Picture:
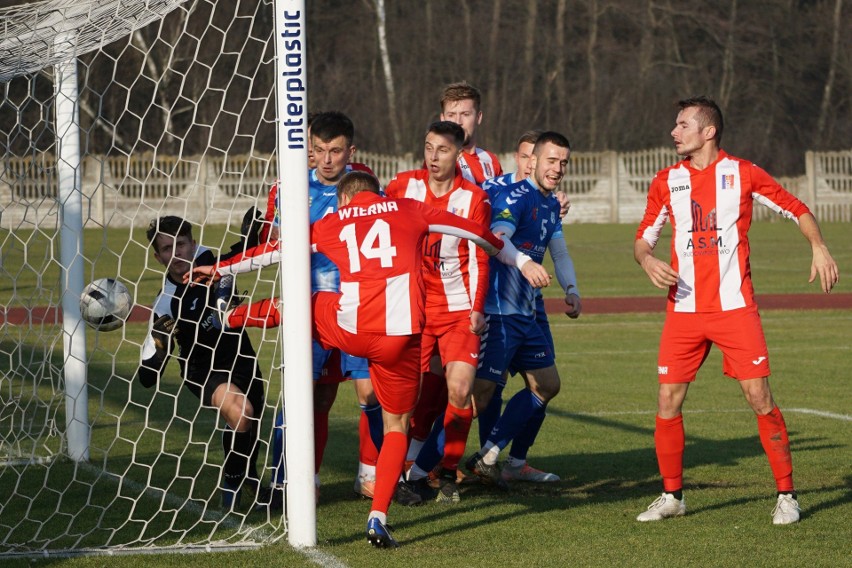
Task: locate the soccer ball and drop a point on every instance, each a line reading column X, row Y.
column 105, row 304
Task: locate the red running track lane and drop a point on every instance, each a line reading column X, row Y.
column 645, row 304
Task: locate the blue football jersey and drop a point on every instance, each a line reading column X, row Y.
column 497, row 184
column 535, row 220
column 322, row 200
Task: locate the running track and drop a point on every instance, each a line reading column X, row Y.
column 833, row 301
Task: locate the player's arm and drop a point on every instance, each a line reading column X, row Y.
column 481, row 214
column 767, row 191
column 661, row 273
column 254, row 258
column 533, row 272
column 565, row 274
column 156, row 350
column 822, row 263
column 502, row 249
column 564, row 202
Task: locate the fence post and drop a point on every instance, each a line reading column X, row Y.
column 614, row 214
column 203, row 177
column 92, row 189
column 811, row 176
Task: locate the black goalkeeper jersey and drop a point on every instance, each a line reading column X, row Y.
column 203, row 347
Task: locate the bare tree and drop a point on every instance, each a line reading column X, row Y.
column 832, row 73
column 381, row 30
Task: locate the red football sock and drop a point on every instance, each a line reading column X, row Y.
column 367, row 452
column 456, row 427
column 262, row 314
column 776, row 444
column 388, row 469
column 670, row 440
column 320, row 437
column 433, row 399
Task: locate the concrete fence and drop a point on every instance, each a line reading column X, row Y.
column 128, row 191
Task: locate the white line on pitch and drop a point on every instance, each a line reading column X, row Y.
column 820, row 413
column 321, row 558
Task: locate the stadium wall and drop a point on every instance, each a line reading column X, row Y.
column 604, row 187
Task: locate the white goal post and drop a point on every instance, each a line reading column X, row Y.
column 115, row 113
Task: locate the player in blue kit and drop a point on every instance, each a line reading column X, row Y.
column 516, row 468
column 331, row 135
column 527, row 214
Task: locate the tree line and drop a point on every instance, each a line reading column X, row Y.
column 607, row 73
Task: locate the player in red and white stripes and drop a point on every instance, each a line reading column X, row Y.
column 456, row 276
column 377, row 244
column 708, row 197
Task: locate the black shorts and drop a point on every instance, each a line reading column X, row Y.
column 251, row 386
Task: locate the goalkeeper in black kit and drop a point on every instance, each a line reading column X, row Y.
column 219, row 367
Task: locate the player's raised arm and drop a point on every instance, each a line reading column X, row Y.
column 254, row 258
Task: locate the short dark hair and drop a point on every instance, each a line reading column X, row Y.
column 461, row 91
column 530, row 137
column 170, row 225
column 448, row 128
column 709, row 113
column 551, row 137
column 329, row 125
column 357, row 181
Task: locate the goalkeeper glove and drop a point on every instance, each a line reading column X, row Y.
column 164, row 328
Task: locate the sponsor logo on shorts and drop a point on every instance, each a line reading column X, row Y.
column 759, row 360
column 495, row 371
column 540, row 355
column 662, row 370
column 474, row 355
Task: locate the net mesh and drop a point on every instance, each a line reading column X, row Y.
column 176, row 118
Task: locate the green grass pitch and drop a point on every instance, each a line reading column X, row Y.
column 598, row 436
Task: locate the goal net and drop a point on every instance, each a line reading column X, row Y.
column 146, row 108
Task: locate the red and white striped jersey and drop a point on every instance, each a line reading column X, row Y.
column 479, row 165
column 710, row 210
column 455, row 270
column 377, row 244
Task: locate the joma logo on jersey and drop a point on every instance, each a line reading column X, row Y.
column 676, row 188
column 700, row 222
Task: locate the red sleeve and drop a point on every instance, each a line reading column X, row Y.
column 656, row 212
column 770, row 193
column 450, row 224
column 269, row 216
column 395, row 188
column 254, row 258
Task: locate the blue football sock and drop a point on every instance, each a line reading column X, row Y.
column 377, row 425
column 488, row 418
column 519, row 410
column 432, row 451
column 526, row 437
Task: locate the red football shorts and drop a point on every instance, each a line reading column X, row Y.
column 450, row 334
column 394, row 359
column 687, row 338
